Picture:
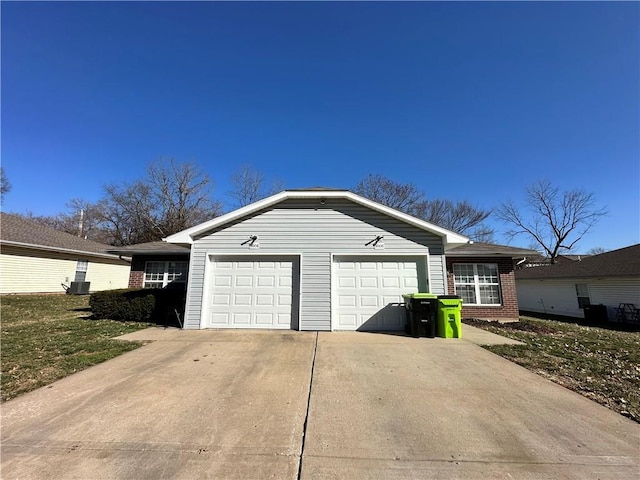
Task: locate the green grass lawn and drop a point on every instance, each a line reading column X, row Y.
column 47, row 337
column 599, row 363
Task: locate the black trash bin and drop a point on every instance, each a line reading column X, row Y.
column 422, row 311
column 594, row 314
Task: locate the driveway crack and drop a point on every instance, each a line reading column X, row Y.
column 306, row 416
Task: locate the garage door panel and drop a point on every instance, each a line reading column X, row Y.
column 347, row 300
column 368, row 282
column 243, row 281
column 251, row 293
column 368, row 301
column 284, row 300
column 242, row 300
column 223, row 281
column 223, row 300
column 369, row 293
column 220, row 320
column 347, row 282
column 241, row 319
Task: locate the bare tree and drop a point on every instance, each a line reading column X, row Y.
column 5, row 186
column 556, row 221
column 596, row 251
column 172, row 197
column 402, row 196
column 82, row 219
column 461, row 217
column 249, row 185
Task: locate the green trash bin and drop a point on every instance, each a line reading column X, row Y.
column 449, row 316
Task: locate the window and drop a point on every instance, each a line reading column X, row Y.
column 81, row 270
column 582, row 291
column 477, row 283
column 161, row 274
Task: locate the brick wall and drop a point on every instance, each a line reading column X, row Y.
column 136, row 275
column 509, row 308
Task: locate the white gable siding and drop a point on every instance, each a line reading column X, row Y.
column 315, row 232
column 558, row 296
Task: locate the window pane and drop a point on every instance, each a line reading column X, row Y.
column 81, row 270
column 154, row 272
column 463, row 273
column 582, row 290
column 467, row 292
column 487, row 273
column 489, row 294
column 177, row 272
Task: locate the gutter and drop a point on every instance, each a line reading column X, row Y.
column 61, row 250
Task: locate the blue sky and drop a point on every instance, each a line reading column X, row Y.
column 467, row 100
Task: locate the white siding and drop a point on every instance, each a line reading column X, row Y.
column 315, row 291
column 559, row 297
column 313, row 231
column 33, row 271
column 107, row 276
column 554, row 297
column 613, row 292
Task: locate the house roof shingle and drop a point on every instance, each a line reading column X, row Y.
column 478, row 249
column 15, row 230
column 151, row 248
column 617, row 263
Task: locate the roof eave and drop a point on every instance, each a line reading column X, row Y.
column 148, row 252
column 59, row 249
column 486, row 254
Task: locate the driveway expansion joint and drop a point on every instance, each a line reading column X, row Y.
column 306, row 415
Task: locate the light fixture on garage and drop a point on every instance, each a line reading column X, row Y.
column 376, row 242
column 252, row 242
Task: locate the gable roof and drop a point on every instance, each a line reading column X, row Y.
column 20, row 232
column 478, row 249
column 151, row 248
column 617, row 263
column 187, row 236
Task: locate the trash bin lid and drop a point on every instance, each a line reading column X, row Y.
column 424, row 295
column 408, row 296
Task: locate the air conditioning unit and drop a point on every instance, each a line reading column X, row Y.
column 79, row 288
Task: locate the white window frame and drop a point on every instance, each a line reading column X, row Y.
column 477, row 284
column 82, row 266
column 582, row 295
column 146, row 283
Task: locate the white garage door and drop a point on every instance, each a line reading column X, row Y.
column 252, row 293
column 368, row 293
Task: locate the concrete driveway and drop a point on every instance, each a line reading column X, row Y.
column 287, row 405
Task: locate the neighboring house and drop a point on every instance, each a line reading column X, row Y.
column 324, row 259
column 541, row 260
column 156, row 264
column 483, row 275
column 39, row 259
column 610, row 279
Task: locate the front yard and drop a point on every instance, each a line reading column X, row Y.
column 601, row 364
column 47, row 337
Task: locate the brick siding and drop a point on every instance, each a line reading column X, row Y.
column 136, row 275
column 509, row 308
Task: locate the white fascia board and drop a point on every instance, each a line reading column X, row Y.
column 186, row 236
